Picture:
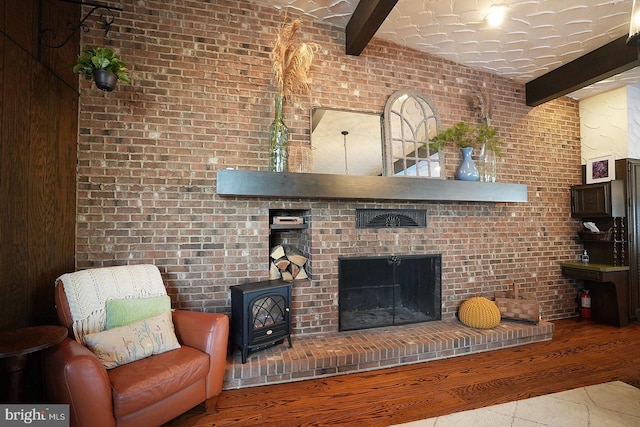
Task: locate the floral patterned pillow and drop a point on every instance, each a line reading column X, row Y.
column 126, row 344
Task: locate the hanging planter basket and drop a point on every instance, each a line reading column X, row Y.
column 102, row 66
column 105, row 80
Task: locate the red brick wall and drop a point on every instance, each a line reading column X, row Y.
column 202, row 99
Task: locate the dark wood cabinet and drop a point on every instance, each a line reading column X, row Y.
column 609, row 288
column 628, row 171
column 604, row 205
column 604, row 199
column 613, row 205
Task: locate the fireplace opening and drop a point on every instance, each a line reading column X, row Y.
column 388, row 290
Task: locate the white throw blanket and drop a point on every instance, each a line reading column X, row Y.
column 87, row 292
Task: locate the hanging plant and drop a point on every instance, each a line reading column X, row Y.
column 101, row 65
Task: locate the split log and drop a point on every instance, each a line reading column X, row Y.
column 294, row 269
column 302, row 274
column 282, row 263
column 274, row 273
column 286, row 276
column 287, row 263
column 277, row 252
column 294, row 255
column 298, row 260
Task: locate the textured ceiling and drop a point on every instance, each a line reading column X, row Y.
column 535, row 38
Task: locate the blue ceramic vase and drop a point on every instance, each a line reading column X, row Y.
column 467, row 170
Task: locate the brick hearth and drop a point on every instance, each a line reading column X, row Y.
column 316, row 356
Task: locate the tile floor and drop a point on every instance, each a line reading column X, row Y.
column 612, row 404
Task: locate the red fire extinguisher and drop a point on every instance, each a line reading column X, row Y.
column 585, row 304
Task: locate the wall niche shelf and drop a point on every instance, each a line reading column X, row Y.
column 288, row 226
column 231, row 182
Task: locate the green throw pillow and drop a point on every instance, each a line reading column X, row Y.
column 122, row 312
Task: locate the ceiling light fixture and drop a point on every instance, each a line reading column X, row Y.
column 634, row 25
column 496, row 15
column 346, row 165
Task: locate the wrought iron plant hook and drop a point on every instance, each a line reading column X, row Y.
column 107, row 18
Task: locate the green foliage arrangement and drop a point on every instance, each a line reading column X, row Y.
column 487, row 135
column 464, row 134
column 101, row 58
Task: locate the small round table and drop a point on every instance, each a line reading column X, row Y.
column 16, row 344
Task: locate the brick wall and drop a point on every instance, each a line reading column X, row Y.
column 202, row 99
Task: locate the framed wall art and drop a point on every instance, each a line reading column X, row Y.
column 601, row 169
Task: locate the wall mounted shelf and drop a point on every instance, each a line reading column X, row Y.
column 324, row 186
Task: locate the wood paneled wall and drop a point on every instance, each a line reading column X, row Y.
column 38, row 156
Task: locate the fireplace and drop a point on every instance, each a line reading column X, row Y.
column 388, row 290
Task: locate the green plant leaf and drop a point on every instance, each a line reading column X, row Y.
column 464, row 134
column 101, row 58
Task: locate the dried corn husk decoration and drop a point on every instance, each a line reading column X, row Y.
column 480, row 103
column 291, row 63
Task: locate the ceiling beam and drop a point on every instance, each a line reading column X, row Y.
column 611, row 59
column 364, row 23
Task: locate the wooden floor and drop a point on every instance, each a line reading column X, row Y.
column 581, row 353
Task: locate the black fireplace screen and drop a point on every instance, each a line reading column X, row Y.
column 391, row 290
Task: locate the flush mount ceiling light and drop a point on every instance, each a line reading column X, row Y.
column 634, row 25
column 496, row 15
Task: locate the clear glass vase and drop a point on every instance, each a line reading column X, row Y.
column 278, row 141
column 482, row 170
column 490, row 165
column 487, row 164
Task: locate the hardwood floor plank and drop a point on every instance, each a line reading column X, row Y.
column 581, row 353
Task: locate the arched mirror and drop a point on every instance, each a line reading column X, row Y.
column 410, row 122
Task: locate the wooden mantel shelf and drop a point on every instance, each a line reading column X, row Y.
column 325, row 186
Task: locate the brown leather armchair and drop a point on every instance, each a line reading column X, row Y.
column 147, row 392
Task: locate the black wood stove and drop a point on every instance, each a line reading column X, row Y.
column 260, row 315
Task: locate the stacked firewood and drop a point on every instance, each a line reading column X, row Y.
column 287, row 263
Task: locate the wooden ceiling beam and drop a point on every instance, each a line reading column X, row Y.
column 364, row 23
column 611, row 59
